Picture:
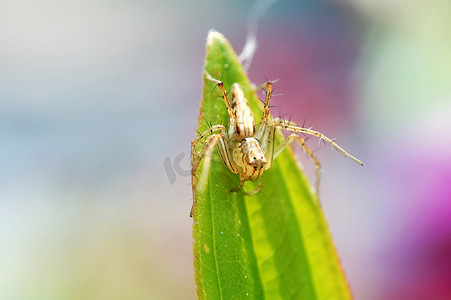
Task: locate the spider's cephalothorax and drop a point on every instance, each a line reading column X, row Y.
column 250, row 158
column 245, row 149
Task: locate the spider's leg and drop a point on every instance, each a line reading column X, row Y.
column 265, row 132
column 294, row 137
column 215, row 139
column 206, row 133
column 261, row 87
column 293, row 127
column 262, row 131
column 220, row 84
column 265, row 115
column 226, row 156
column 268, row 144
column 257, row 189
column 240, row 186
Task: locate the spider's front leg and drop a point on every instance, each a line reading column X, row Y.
column 241, row 184
column 213, row 129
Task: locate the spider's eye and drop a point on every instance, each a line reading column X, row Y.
column 255, row 168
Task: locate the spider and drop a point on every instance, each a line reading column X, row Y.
column 248, row 150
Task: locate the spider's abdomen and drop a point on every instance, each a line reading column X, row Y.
column 244, row 123
column 249, row 155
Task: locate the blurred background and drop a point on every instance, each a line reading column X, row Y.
column 99, row 102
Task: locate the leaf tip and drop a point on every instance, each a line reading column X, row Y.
column 214, row 35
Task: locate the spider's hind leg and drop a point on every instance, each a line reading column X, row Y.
column 294, row 137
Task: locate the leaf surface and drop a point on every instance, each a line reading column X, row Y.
column 273, row 245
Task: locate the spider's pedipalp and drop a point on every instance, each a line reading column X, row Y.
column 256, row 190
column 240, row 185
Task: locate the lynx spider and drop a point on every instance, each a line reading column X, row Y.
column 245, row 149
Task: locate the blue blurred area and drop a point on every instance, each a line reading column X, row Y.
column 96, row 96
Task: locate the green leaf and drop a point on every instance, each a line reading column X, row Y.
column 273, row 245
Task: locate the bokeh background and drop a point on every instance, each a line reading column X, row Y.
column 99, row 98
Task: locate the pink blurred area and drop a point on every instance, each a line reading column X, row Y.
column 98, row 99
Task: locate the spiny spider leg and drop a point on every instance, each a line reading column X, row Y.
column 225, row 155
column 265, row 115
column 207, row 133
column 261, row 87
column 223, row 150
column 265, row 133
column 293, row 127
column 220, row 84
column 263, row 128
column 206, row 152
column 292, row 137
